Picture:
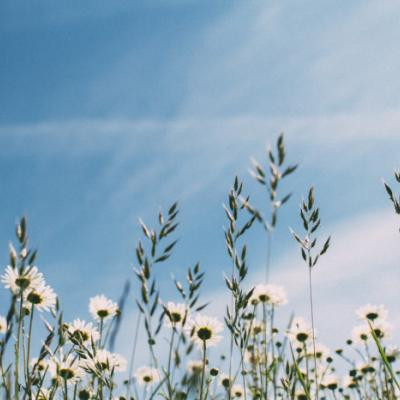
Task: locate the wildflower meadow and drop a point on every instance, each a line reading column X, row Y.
column 266, row 361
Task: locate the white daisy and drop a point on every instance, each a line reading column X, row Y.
column 224, row 380
column 85, row 331
column 29, row 279
column 237, row 391
column 360, row 334
column 65, row 369
column 3, row 324
column 256, row 326
column 39, row 365
column 176, row 314
column 321, row 351
column 147, row 376
column 300, row 332
column 203, row 329
column 330, row 381
column 106, row 361
column 269, row 294
column 42, row 297
column 392, row 353
column 195, row 367
column 102, row 308
column 382, row 328
column 254, row 356
column 349, row 382
column 372, row 312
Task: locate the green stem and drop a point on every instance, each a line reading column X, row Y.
column 265, row 349
column 17, row 348
column 101, row 331
column 203, row 370
column 170, row 391
column 28, row 354
column 313, row 333
column 65, row 390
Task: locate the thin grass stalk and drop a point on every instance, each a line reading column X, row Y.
column 313, row 333
column 168, row 377
column 133, row 354
column 269, row 255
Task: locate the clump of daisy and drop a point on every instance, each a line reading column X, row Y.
column 147, row 376
column 66, row 369
column 3, row 324
column 204, row 330
column 83, row 331
column 362, row 333
column 18, row 281
column 269, row 294
column 176, row 314
column 102, row 308
column 372, row 312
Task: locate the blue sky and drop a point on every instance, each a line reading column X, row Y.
column 110, row 110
